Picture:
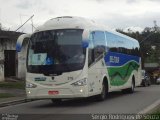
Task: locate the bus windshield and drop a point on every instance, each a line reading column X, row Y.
column 56, row 51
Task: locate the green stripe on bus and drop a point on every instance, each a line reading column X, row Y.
column 120, row 75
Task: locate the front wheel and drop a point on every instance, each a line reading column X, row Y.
column 104, row 92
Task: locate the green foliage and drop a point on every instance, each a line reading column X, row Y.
column 147, row 39
column 155, row 115
column 16, row 85
column 6, row 95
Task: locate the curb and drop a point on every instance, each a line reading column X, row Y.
column 150, row 108
column 14, row 102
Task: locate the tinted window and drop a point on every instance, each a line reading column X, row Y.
column 120, row 44
column 111, row 41
column 56, row 51
column 90, row 50
column 99, row 43
column 98, row 38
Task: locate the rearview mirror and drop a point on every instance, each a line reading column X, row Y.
column 85, row 44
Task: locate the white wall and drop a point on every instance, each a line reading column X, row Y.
column 8, row 41
column 22, row 61
column 1, row 66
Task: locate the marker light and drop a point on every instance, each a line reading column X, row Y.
column 30, row 85
column 81, row 90
column 29, row 92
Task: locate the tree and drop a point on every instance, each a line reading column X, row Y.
column 147, row 38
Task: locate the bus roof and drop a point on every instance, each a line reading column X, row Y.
column 68, row 22
column 73, row 22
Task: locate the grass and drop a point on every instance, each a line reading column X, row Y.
column 16, row 85
column 6, row 95
column 157, row 112
column 154, row 115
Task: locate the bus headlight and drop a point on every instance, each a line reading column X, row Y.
column 80, row 82
column 30, row 85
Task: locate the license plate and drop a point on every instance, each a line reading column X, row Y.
column 53, row 92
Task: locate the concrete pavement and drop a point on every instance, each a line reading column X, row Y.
column 12, row 101
column 19, row 96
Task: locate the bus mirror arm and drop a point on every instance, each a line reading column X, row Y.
column 20, row 41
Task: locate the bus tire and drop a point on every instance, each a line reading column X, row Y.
column 131, row 89
column 103, row 95
column 56, row 101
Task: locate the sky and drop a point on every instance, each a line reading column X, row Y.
column 115, row 14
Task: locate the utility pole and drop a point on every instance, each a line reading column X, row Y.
column 20, row 16
column 24, row 23
column 32, row 24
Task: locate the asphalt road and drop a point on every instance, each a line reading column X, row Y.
column 117, row 102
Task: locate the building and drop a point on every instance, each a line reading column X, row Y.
column 12, row 64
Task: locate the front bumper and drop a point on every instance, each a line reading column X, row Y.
column 43, row 93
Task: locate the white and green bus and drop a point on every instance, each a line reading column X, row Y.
column 71, row 57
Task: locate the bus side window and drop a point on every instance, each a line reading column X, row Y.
column 115, row 43
column 90, row 51
column 99, row 43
